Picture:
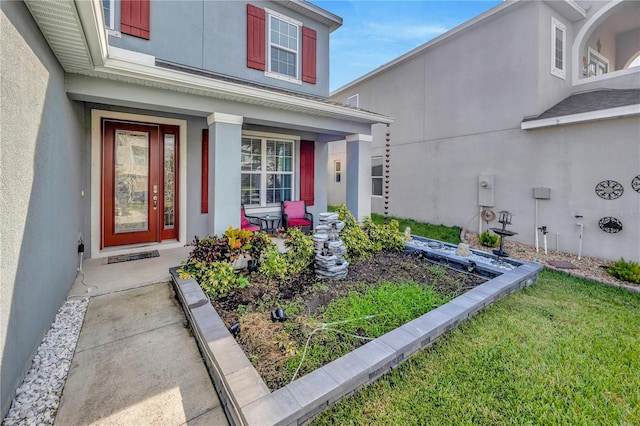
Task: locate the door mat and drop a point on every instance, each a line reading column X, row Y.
column 133, row 256
column 562, row 264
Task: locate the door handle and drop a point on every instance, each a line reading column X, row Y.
column 155, row 202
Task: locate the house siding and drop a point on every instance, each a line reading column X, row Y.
column 458, row 106
column 41, row 210
column 216, row 35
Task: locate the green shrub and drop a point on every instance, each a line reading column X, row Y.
column 625, row 271
column 364, row 241
column 215, row 278
column 359, row 245
column 489, row 240
column 300, row 254
column 384, row 237
column 274, row 265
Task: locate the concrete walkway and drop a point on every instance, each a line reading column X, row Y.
column 136, row 362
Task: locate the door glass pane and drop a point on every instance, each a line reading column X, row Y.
column 169, row 181
column 131, row 181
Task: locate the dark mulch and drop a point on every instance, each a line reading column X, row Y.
column 385, row 266
column 268, row 344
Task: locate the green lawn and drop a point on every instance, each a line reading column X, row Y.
column 563, row 351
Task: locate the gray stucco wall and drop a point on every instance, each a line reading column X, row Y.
column 212, row 35
column 41, row 210
column 458, row 107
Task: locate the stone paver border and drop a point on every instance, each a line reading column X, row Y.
column 247, row 400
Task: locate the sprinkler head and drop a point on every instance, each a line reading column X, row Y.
column 471, row 267
column 278, row 315
column 235, row 329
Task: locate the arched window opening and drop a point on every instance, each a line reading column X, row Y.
column 612, row 44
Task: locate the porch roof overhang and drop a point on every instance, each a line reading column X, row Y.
column 76, row 34
column 595, row 105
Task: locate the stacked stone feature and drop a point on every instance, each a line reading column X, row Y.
column 330, row 250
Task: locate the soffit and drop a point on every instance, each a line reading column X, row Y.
column 59, row 23
column 241, row 94
column 568, row 8
column 314, row 12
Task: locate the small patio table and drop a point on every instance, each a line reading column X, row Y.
column 269, row 224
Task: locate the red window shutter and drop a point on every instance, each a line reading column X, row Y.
column 134, row 18
column 308, row 55
column 255, row 38
column 307, row 165
column 204, row 203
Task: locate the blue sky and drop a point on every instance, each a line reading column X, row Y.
column 375, row 32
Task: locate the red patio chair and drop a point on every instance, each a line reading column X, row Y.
column 294, row 213
column 245, row 221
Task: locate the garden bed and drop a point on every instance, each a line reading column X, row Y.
column 378, row 286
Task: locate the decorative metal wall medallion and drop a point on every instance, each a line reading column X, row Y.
column 635, row 183
column 609, row 189
column 610, row 225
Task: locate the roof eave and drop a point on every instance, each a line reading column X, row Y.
column 145, row 70
column 604, row 114
column 568, row 8
column 314, row 12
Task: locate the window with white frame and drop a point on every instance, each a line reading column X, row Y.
column 283, row 47
column 108, row 6
column 354, row 100
column 376, row 176
column 267, row 170
column 598, row 64
column 558, row 48
column 337, row 167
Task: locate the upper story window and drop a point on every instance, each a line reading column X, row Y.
column 354, row 100
column 280, row 46
column 558, row 48
column 283, row 46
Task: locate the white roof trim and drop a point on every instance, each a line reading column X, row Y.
column 137, row 67
column 603, row 114
column 314, row 12
column 220, row 117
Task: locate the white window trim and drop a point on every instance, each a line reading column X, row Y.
column 263, row 182
column 112, row 14
column 381, row 177
column 560, row 73
column 600, row 57
column 273, row 74
column 337, row 172
column 357, row 100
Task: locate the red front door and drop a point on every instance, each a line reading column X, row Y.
column 139, row 183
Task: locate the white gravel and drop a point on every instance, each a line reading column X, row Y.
column 37, row 399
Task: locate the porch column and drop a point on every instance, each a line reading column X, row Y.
column 359, row 175
column 225, row 141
